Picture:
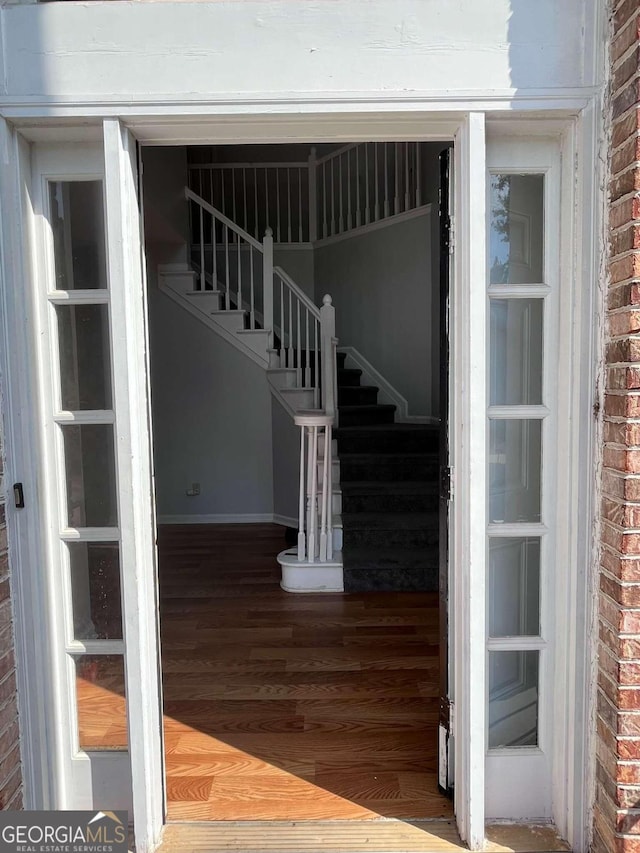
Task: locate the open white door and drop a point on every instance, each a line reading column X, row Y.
column 135, row 486
column 95, row 466
column 468, row 459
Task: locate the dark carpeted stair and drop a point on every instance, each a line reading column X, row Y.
column 389, row 482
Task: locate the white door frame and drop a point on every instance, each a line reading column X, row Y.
column 467, row 588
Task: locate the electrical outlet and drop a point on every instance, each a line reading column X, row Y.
column 194, row 490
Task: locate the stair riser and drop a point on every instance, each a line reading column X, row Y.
column 386, row 442
column 349, row 378
column 352, row 396
column 389, row 503
column 382, row 469
column 385, row 580
column 385, row 538
column 366, row 417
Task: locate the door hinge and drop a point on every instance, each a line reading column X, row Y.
column 18, row 495
column 446, row 483
column 452, row 234
column 452, row 719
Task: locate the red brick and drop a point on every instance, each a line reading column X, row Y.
column 625, row 11
column 624, row 39
column 623, row 378
column 627, row 239
column 624, row 323
column 628, row 750
column 623, row 128
column 625, row 99
column 627, row 69
column 629, row 266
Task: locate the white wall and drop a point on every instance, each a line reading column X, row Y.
column 211, row 404
column 385, row 298
column 127, row 51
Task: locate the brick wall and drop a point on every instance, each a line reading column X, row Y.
column 10, row 775
column 617, row 806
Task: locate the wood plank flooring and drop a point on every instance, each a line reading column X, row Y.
column 285, row 707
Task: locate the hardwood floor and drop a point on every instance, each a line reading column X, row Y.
column 284, row 707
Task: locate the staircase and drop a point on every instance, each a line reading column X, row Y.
column 367, row 520
column 389, row 485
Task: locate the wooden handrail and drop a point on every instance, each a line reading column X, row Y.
column 219, row 215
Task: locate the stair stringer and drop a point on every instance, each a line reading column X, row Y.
column 177, row 283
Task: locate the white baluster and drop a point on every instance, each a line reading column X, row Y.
column 307, row 360
column 325, row 227
column 367, row 208
column 376, row 178
column 300, row 231
column 289, row 206
column 325, row 532
column 266, row 198
column 301, row 499
column 256, row 229
column 396, row 198
column 316, row 346
column 313, row 196
column 214, row 252
column 267, row 284
column 386, row 179
column 299, row 344
column 283, row 350
column 340, row 211
column 312, row 506
column 290, row 348
column 239, row 273
column 278, row 233
column 349, row 211
column 357, row 188
column 252, row 300
column 333, row 199
column 227, row 290
column 233, row 193
column 203, row 281
column 407, row 196
column 244, row 196
column 223, row 206
column 418, row 176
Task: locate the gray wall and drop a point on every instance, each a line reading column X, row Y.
column 286, row 462
column 211, row 405
column 386, row 301
column 211, row 418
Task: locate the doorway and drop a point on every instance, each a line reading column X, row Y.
column 280, row 706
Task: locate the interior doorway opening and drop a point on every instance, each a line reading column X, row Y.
column 280, row 706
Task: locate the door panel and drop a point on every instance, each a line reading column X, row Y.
column 95, row 466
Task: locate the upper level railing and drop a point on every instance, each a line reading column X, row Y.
column 303, row 202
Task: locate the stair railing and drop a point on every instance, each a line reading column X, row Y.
column 225, row 259
column 229, row 259
column 298, row 324
column 364, row 182
column 315, row 509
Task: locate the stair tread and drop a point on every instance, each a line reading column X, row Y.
column 397, row 427
column 236, row 311
column 402, row 454
column 390, row 520
column 391, row 558
column 379, row 487
column 367, row 407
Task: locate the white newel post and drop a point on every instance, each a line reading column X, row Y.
column 327, row 350
column 267, row 283
column 313, row 196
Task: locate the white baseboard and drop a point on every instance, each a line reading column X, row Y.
column 285, row 520
column 220, row 518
